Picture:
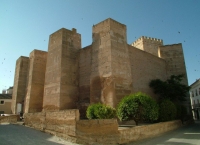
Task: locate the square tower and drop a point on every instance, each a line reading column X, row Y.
column 20, row 83
column 110, row 78
column 35, row 85
column 61, row 78
column 148, row 44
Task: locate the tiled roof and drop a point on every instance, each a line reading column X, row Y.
column 5, row 96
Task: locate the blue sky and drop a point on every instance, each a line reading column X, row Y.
column 26, row 25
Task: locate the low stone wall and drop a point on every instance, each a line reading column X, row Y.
column 147, row 131
column 62, row 123
column 103, row 131
column 66, row 124
column 59, row 123
column 9, row 119
column 35, row 120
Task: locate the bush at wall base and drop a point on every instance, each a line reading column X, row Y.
column 100, row 111
column 139, row 107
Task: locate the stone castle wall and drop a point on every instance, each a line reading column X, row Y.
column 101, row 59
column 59, row 123
column 85, row 59
column 98, row 131
column 20, row 82
column 148, row 44
column 61, row 78
column 9, row 119
column 147, row 131
column 66, row 124
column 35, row 85
column 111, row 72
column 173, row 54
column 145, row 67
column 175, row 64
column 105, row 71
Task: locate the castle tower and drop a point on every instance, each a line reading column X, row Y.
column 148, row 44
column 35, row 85
column 110, row 78
column 61, row 78
column 175, row 63
column 20, row 82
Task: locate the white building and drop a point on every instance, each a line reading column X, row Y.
column 195, row 99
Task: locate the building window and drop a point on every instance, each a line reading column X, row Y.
column 2, row 102
column 196, row 93
column 192, row 94
column 198, row 101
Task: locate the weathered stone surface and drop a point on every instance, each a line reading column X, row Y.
column 110, row 63
column 63, row 122
column 35, row 87
column 20, row 82
column 59, row 123
column 35, row 120
column 147, row 131
column 105, row 71
column 175, row 65
column 85, row 58
column 61, row 78
column 9, row 119
column 102, row 131
column 148, row 44
column 145, row 67
column 66, row 124
column 174, row 57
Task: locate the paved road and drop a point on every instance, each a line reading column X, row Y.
column 20, row 135
column 187, row 135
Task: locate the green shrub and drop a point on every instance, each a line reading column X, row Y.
column 139, row 107
column 100, row 111
column 168, row 110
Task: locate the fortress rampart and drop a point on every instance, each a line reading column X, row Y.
column 104, row 71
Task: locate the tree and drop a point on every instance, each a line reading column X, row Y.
column 100, row 111
column 171, row 89
column 139, row 107
column 168, row 110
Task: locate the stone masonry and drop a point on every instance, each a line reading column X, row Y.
column 104, row 71
column 20, row 82
column 61, row 78
column 35, row 86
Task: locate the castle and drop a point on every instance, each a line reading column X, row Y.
column 71, row 77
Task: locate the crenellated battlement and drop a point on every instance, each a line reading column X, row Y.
column 145, row 38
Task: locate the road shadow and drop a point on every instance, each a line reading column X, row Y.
column 11, row 134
